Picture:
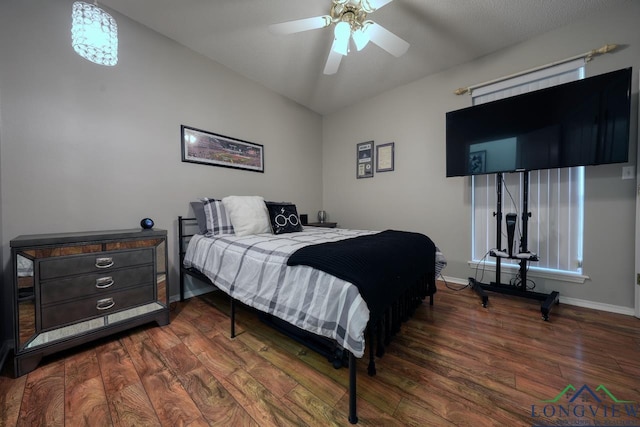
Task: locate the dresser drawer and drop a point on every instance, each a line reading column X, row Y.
column 104, row 282
column 61, row 314
column 88, row 263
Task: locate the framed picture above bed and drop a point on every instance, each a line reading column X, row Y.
column 364, row 162
column 199, row 146
column 385, row 155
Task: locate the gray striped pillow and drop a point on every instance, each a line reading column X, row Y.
column 217, row 219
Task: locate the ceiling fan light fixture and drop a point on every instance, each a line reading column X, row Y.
column 349, row 18
column 360, row 38
column 342, row 33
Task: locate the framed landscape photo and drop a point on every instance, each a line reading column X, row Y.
column 385, row 154
column 199, row 146
column 364, row 162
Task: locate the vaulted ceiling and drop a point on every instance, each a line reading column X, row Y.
column 441, row 33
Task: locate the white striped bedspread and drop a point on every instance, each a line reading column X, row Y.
column 253, row 269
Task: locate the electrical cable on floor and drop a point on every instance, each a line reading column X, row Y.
column 517, row 281
column 452, row 288
column 514, row 281
column 483, row 260
column 533, row 286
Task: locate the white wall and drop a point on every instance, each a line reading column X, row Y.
column 417, row 196
column 6, row 322
column 87, row 147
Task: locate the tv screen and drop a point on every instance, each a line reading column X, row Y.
column 581, row 123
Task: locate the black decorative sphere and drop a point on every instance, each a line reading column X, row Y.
column 146, row 223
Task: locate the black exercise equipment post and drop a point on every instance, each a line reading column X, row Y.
column 518, row 290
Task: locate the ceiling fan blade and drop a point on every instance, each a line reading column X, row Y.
column 386, row 39
column 333, row 62
column 300, row 25
column 373, row 5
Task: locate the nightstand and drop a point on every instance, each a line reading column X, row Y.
column 323, row 224
column 72, row 288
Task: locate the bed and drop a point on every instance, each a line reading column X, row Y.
column 328, row 283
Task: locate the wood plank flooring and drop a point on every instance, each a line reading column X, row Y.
column 454, row 363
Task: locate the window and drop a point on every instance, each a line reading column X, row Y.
column 555, row 196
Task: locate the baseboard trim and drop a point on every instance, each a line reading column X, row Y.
column 627, row 311
column 455, row 280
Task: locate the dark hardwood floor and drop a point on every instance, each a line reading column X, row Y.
column 455, row 363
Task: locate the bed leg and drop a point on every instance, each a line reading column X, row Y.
column 379, row 339
column 233, row 318
column 387, row 326
column 371, row 369
column 432, row 287
column 180, row 256
column 181, row 285
column 396, row 318
column 353, row 413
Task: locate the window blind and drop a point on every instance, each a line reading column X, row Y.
column 555, row 196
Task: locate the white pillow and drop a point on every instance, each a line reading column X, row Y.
column 248, row 214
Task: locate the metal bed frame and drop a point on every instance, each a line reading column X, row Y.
column 380, row 330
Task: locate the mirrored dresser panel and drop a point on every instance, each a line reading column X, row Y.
column 71, row 288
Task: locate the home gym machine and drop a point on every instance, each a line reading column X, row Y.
column 523, row 255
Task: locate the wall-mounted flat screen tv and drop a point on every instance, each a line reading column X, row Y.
column 581, row 123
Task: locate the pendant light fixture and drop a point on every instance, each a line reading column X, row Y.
column 94, row 34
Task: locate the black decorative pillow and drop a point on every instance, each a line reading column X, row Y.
column 283, row 217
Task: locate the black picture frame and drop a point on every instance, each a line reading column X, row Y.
column 364, row 160
column 385, row 157
column 208, row 148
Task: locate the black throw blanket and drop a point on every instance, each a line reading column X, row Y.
column 381, row 265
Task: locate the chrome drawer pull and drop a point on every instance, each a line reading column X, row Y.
column 104, row 282
column 105, row 304
column 104, row 262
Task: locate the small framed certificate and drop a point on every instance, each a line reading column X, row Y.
column 364, row 163
column 385, row 154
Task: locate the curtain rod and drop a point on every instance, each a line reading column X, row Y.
column 587, row 57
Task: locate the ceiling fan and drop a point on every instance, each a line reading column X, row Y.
column 351, row 23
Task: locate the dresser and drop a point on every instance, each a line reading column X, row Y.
column 71, row 288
